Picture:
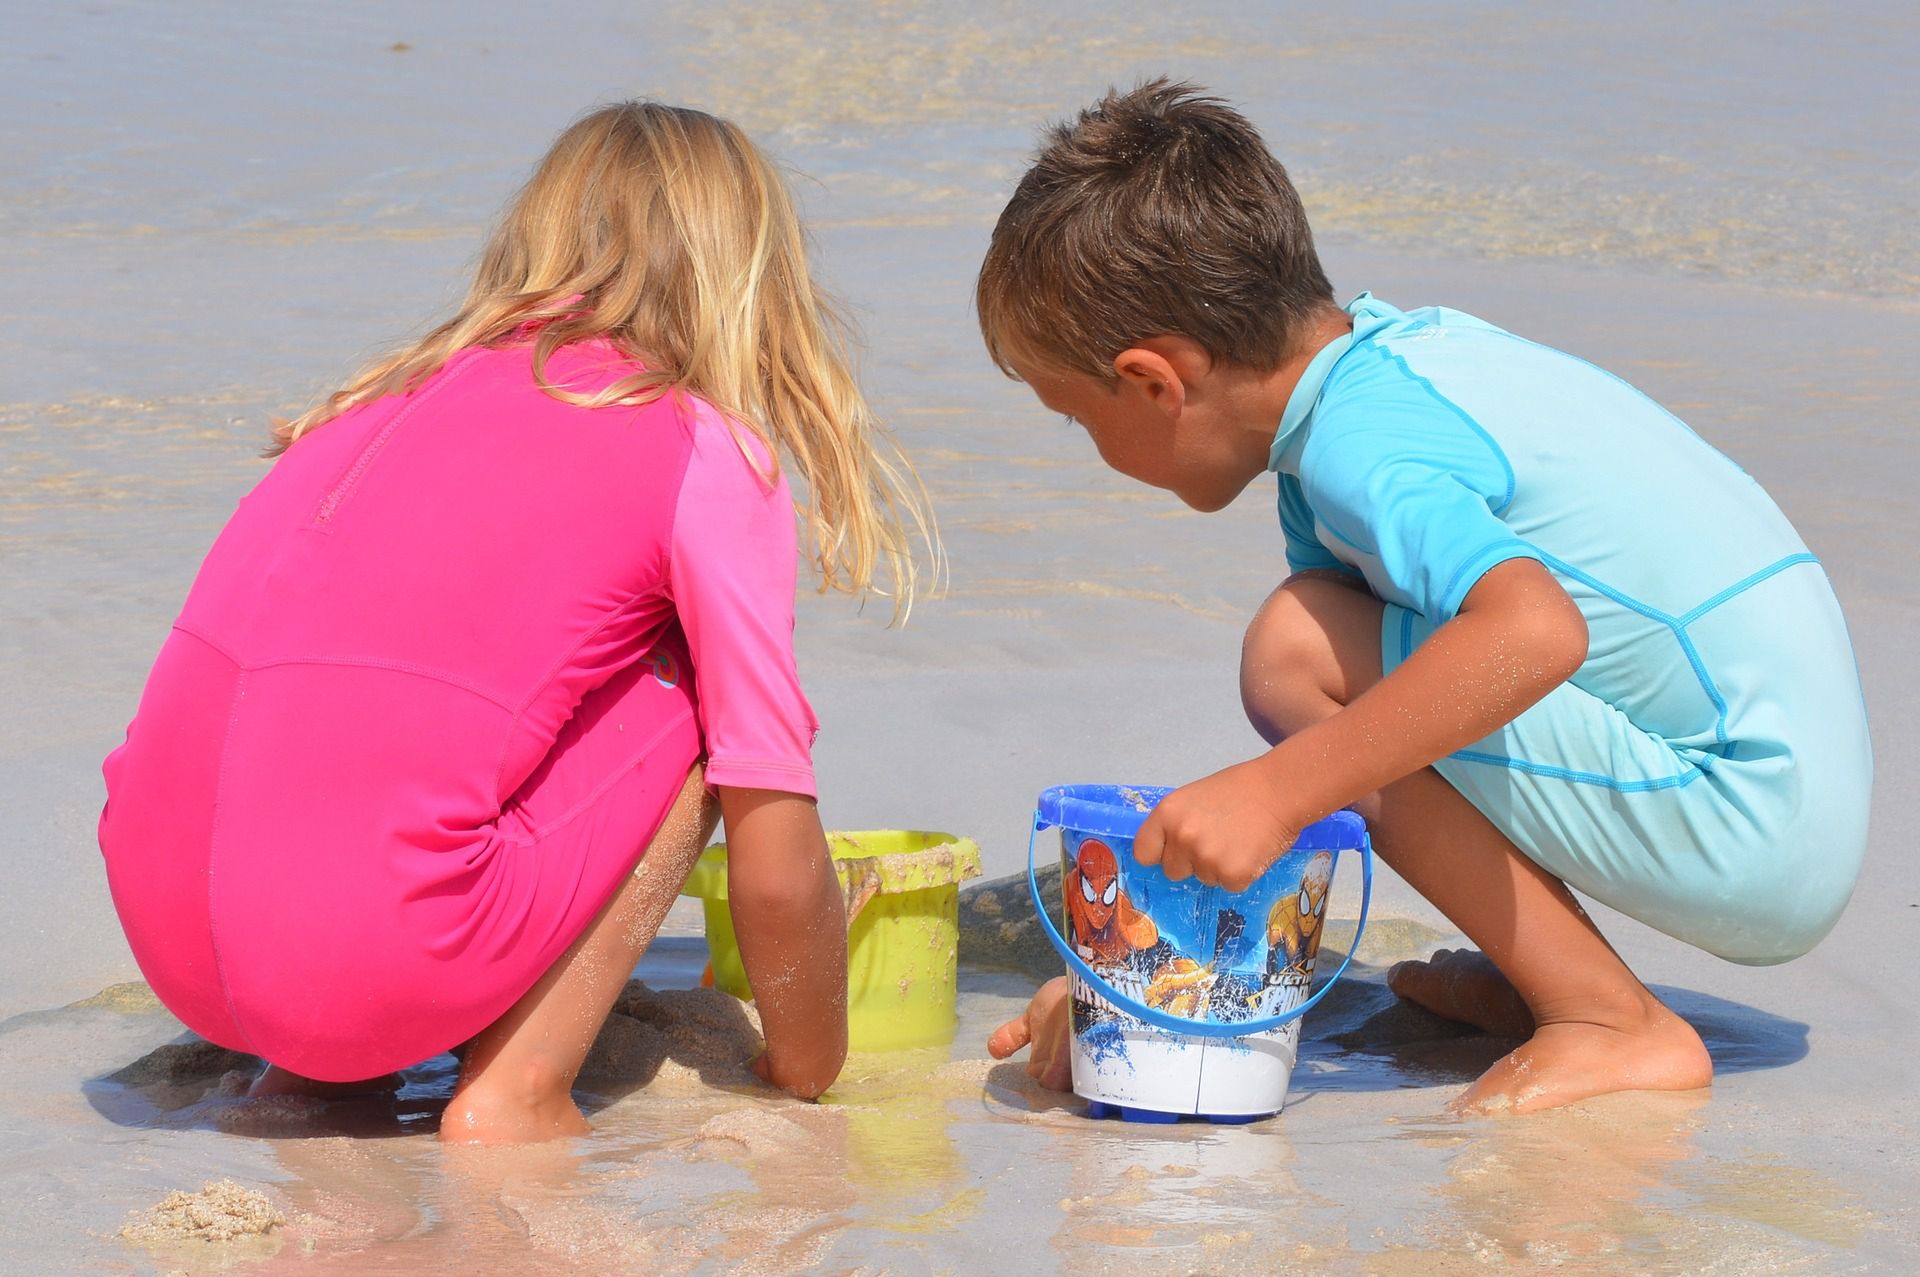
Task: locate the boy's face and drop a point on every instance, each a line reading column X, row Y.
column 1166, row 420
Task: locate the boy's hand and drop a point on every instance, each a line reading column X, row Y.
column 1224, row 829
column 1043, row 1024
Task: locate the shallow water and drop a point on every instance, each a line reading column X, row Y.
column 938, row 1160
column 211, row 211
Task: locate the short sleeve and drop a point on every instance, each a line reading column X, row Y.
column 1304, row 551
column 1416, row 487
column 732, row 573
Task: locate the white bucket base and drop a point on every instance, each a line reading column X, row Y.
column 1121, row 1062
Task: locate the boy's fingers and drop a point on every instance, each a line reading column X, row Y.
column 1055, row 1074
column 1150, row 841
column 1009, row 1037
column 1176, row 862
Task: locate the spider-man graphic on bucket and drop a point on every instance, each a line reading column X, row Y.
column 1107, row 929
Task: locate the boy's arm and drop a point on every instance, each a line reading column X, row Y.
column 791, row 922
column 1516, row 637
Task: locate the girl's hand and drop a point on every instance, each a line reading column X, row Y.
column 1224, row 829
column 1043, row 1024
column 802, row 1081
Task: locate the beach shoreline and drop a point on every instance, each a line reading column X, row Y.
column 225, row 209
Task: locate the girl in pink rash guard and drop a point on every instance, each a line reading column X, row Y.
column 429, row 751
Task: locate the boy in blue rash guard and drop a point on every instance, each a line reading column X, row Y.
column 1536, row 631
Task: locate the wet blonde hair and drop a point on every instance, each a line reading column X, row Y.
column 664, row 231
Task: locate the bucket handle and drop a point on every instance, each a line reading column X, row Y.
column 1177, row 1024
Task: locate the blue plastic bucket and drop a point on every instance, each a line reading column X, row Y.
column 1186, row 998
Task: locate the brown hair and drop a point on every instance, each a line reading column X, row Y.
column 1155, row 212
column 664, row 231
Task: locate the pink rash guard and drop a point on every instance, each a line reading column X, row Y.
column 432, row 693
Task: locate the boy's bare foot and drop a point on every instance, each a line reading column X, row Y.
column 1574, row 1060
column 1463, row 985
column 476, row 1115
column 1640, row 1046
column 274, row 1080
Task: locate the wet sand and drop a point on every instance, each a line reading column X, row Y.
column 218, row 209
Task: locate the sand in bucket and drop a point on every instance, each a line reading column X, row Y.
column 903, row 933
column 1186, row 999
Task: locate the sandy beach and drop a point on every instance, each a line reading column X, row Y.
column 214, row 210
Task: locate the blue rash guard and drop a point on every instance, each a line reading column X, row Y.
column 1707, row 769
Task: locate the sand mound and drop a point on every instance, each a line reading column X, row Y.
column 758, row 1132
column 674, row 1040
column 221, row 1211
column 132, row 997
column 189, row 1061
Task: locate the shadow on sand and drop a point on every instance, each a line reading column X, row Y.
column 1361, row 1038
column 678, row 1038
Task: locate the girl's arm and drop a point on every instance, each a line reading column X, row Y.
column 1517, row 636
column 791, row 922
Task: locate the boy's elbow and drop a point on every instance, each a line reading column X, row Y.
column 1532, row 610
column 1562, row 644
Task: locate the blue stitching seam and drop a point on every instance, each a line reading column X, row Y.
column 1618, row 380
column 1672, row 623
column 1624, row 600
column 1741, row 587
column 1499, row 455
column 1347, row 540
column 1676, row 624
column 1711, row 688
column 1488, row 551
column 1678, row 780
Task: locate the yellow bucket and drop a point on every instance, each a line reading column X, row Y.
column 903, row 945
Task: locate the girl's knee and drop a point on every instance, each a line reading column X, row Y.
column 1306, row 655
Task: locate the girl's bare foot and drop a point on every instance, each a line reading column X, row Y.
column 516, row 1075
column 478, row 1115
column 1463, row 985
column 274, row 1080
column 1571, row 1060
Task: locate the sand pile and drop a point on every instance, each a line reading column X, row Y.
column 758, row 1132
column 675, row 1041
column 222, row 1211
column 132, row 997
column 191, row 1060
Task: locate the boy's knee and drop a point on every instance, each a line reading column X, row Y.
column 1291, row 675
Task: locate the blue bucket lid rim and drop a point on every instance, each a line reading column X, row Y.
column 1118, row 811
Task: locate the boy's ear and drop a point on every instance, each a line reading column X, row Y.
column 1153, row 375
column 1163, row 369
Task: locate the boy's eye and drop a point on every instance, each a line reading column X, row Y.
column 1069, row 420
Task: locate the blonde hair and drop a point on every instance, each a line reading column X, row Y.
column 664, row 231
